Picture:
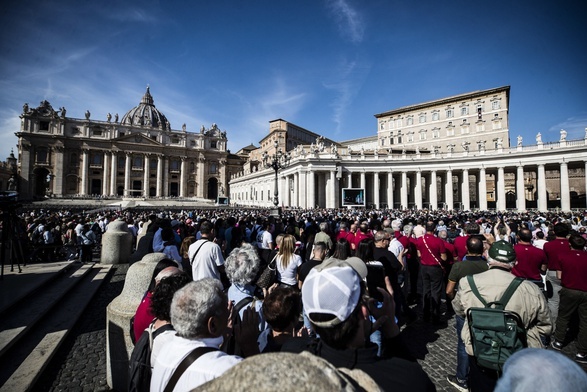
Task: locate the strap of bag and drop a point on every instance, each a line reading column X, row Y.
column 433, row 255
column 195, row 254
column 242, row 303
column 182, row 367
column 505, row 298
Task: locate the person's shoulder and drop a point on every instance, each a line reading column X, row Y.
column 299, row 344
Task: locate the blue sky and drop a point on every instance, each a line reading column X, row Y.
column 325, row 65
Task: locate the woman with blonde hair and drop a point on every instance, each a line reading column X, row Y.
column 288, row 262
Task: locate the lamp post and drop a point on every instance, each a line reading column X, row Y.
column 278, row 160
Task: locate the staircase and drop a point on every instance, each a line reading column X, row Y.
column 38, row 308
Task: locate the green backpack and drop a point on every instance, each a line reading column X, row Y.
column 496, row 333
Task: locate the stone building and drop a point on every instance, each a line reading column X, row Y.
column 139, row 155
column 449, row 153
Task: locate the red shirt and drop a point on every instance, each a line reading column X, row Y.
column 573, row 267
column 530, row 259
column 460, row 244
column 450, row 252
column 360, row 236
column 553, row 250
column 430, row 248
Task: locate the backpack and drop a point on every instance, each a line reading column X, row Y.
column 139, row 366
column 230, row 345
column 496, row 333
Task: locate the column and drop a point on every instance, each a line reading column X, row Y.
column 466, row 199
column 448, row 190
column 127, row 169
column 158, row 191
column 106, row 174
column 302, row 185
column 113, row 173
column 165, row 186
column 84, row 170
column 335, row 189
column 500, row 191
column 310, row 179
column 182, row 182
column 404, row 191
column 520, row 190
column 565, row 195
column 418, row 190
column 201, row 170
column 59, row 180
column 541, row 191
column 146, row 170
column 482, row 189
column 363, row 180
column 433, row 190
column 296, row 200
column 390, row 189
column 350, row 179
column 376, row 200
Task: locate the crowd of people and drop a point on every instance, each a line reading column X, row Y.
column 347, row 281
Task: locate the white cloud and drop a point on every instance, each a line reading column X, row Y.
column 575, row 127
column 350, row 22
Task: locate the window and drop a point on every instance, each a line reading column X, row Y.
column 44, row 126
column 480, row 127
column 42, row 155
column 137, row 162
column 422, row 118
column 398, row 123
column 495, row 105
column 410, row 121
column 410, row 137
column 435, row 116
column 391, row 124
column 464, row 111
column 382, row 127
column 192, row 167
column 436, row 133
column 464, row 129
column 174, row 165
column 153, row 164
column 175, row 140
column 73, row 160
column 121, row 134
column 450, row 113
column 213, row 168
column 479, row 112
column 450, row 132
column 121, row 162
column 422, row 135
column 213, row 144
column 97, row 159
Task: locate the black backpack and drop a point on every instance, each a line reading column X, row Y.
column 139, row 367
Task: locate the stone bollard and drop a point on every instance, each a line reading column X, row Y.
column 119, row 345
column 116, row 243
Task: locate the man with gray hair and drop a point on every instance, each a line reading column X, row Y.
column 527, row 301
column 200, row 314
column 324, row 236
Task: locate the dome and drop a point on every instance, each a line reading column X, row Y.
column 146, row 115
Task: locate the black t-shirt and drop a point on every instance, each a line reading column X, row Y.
column 305, row 268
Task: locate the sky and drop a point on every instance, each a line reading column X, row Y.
column 326, row 65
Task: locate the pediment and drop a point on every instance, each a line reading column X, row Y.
column 138, row 138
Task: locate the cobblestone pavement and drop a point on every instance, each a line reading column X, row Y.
column 80, row 364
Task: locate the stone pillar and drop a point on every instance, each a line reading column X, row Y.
column 302, row 185
column 182, row 182
column 311, row 177
column 113, row 173
column 449, row 200
column 116, row 243
column 127, row 170
column 363, row 181
column 520, row 189
column 500, row 191
column 296, row 199
column 466, row 199
column 159, row 191
column 390, row 189
column 482, row 190
column 542, row 195
column 418, row 190
column 404, row 190
column 350, row 179
column 147, row 169
column 565, row 189
column 84, row 172
column 119, row 345
column 59, row 178
column 433, row 190
column 333, row 186
column 335, row 189
column 376, row 200
column 165, row 185
column 106, row 174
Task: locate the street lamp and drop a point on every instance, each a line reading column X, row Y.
column 278, row 160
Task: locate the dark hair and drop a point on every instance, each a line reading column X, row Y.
column 161, row 265
column 342, row 249
column 282, row 307
column 365, row 249
column 206, row 227
column 475, row 244
column 540, row 234
column 577, row 241
column 163, row 294
column 167, row 234
column 561, row 229
column 525, row 235
column 430, row 227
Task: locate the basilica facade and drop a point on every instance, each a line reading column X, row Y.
column 451, row 153
column 136, row 155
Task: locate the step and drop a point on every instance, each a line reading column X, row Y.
column 26, row 312
column 30, row 357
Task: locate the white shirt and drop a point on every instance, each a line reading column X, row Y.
column 207, row 367
column 288, row 275
column 267, row 239
column 207, row 260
